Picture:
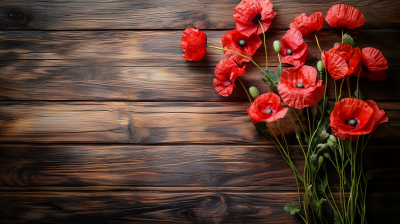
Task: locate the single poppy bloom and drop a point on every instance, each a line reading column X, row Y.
column 247, row 14
column 308, row 25
column 352, row 117
column 194, row 44
column 342, row 60
column 379, row 115
column 266, row 107
column 226, row 71
column 300, row 87
column 344, row 16
column 293, row 49
column 373, row 64
column 234, row 40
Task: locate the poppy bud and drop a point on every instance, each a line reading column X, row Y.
column 320, row 160
column 336, row 43
column 277, row 46
column 324, row 146
column 318, row 146
column 253, row 92
column 320, row 66
column 333, row 139
column 326, row 155
column 331, row 144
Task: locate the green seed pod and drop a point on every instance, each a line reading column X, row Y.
column 333, row 139
column 324, row 146
column 253, row 92
column 318, row 146
column 320, row 66
column 331, row 144
column 277, row 46
column 320, row 160
column 326, row 155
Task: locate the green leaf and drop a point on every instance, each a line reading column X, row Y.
column 324, row 123
column 345, row 163
column 348, row 183
column 298, row 136
column 348, row 40
column 261, row 129
column 264, row 80
column 362, row 96
column 280, row 70
column 330, row 107
column 368, row 176
column 273, row 75
column 291, row 208
column 338, row 220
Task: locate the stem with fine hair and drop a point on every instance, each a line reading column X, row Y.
column 265, row 46
column 316, row 38
column 266, row 75
column 245, row 90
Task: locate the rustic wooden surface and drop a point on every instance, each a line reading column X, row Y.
column 102, row 121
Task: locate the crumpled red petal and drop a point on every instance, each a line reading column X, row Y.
column 336, row 65
column 379, row 115
column 226, row 71
column 230, row 41
column 257, row 110
column 246, row 12
column 293, row 40
column 351, row 108
column 194, row 44
column 374, row 64
column 299, row 98
column 307, row 25
column 346, row 16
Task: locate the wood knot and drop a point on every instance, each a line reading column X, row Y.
column 17, row 18
column 211, row 209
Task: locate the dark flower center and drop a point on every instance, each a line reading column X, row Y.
column 289, row 52
column 228, row 80
column 352, row 122
column 300, row 85
column 256, row 18
column 241, row 43
column 365, row 69
column 269, row 111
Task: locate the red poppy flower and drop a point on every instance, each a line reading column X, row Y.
column 342, row 60
column 247, row 14
column 308, row 25
column 240, row 43
column 354, row 117
column 293, row 50
column 226, row 71
column 373, row 64
column 346, row 16
column 194, row 44
column 266, row 107
column 299, row 87
column 379, row 115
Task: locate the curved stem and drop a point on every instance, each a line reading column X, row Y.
column 358, row 78
column 266, row 75
column 348, row 86
column 265, row 46
column 245, row 90
column 340, row 93
column 300, row 122
column 316, row 38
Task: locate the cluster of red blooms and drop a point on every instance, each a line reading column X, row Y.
column 298, row 86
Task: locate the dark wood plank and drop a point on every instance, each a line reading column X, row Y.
column 178, row 207
column 156, row 48
column 151, row 122
column 172, row 168
column 153, row 14
column 152, row 83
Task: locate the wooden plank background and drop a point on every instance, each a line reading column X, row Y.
column 102, row 121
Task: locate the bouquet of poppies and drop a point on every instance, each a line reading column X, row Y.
column 329, row 131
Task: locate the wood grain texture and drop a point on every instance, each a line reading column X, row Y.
column 153, row 84
column 173, row 168
column 159, row 207
column 157, row 48
column 178, row 14
column 147, row 123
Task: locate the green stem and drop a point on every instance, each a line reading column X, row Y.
column 342, row 35
column 348, row 86
column 265, row 46
column 358, row 78
column 316, row 38
column 340, row 93
column 334, row 81
column 300, row 122
column 245, row 90
column 266, row 75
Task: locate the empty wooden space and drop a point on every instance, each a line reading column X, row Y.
column 103, row 121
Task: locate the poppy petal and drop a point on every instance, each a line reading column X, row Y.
column 346, row 16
